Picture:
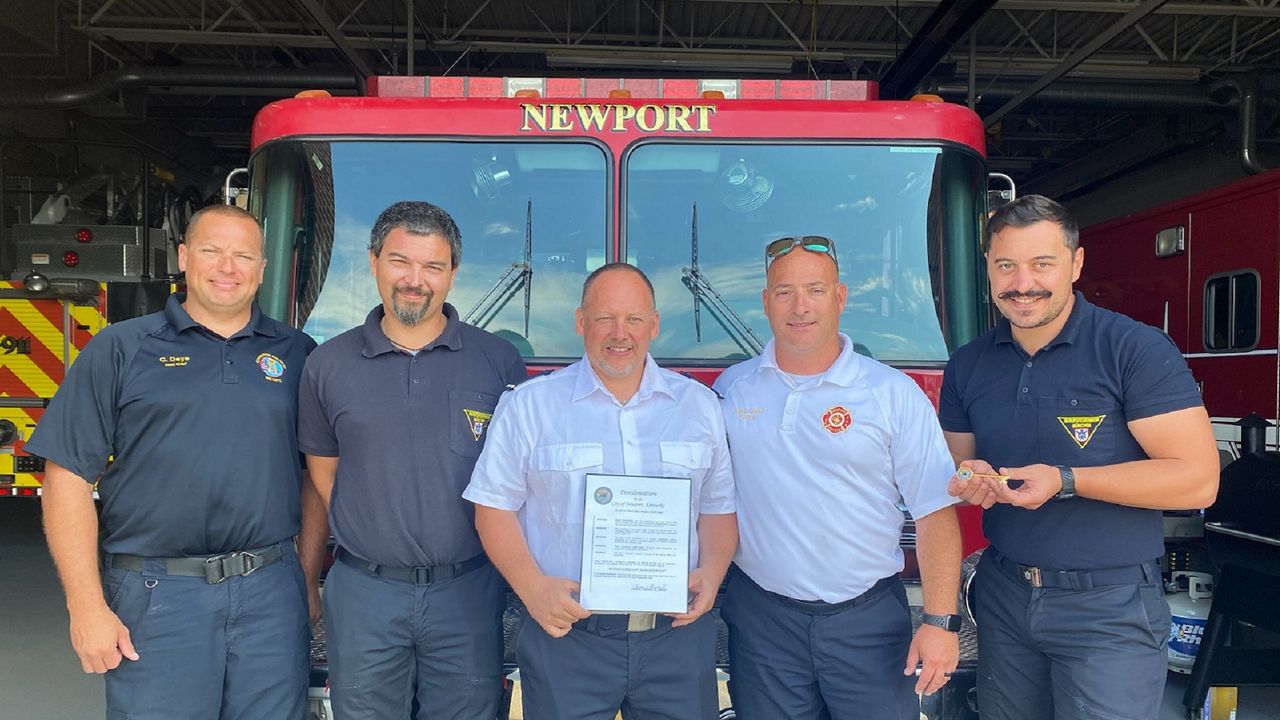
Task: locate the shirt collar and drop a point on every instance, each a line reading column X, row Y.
column 652, row 381
column 180, row 320
column 843, row 372
column 377, row 343
column 1080, row 310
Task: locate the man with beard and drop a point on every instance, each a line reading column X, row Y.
column 392, row 416
column 1100, row 426
column 616, row 412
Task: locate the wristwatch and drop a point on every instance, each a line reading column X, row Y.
column 950, row 623
column 1068, row 483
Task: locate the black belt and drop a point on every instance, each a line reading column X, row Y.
column 1038, row 577
column 421, row 575
column 820, row 607
column 213, row 568
column 605, row 624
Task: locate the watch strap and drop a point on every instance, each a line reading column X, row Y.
column 950, row 623
column 1068, row 483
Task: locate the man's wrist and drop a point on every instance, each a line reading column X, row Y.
column 949, row 623
column 1068, row 477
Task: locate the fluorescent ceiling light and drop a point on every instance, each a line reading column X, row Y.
column 670, row 59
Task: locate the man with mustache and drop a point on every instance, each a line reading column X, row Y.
column 392, row 416
column 616, row 412
column 1098, row 422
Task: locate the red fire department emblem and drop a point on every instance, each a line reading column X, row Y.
column 836, row 419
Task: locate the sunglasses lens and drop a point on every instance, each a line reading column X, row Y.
column 822, row 247
column 779, row 247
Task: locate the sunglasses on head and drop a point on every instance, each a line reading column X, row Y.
column 812, row 243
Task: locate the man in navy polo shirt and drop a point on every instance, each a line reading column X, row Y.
column 392, row 417
column 204, row 614
column 1098, row 422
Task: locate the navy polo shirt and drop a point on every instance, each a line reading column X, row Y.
column 1069, row 404
column 202, row 429
column 407, row 430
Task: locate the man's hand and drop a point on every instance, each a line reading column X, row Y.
column 314, row 604
column 1040, row 483
column 100, row 639
column 703, row 584
column 938, row 651
column 550, row 602
column 975, row 490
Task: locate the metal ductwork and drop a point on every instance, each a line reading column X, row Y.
column 1245, row 92
column 101, row 86
column 1092, row 94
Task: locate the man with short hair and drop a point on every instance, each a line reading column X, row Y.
column 204, row 614
column 826, row 442
column 393, row 415
column 616, row 412
column 1080, row 425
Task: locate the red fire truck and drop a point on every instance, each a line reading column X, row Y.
column 687, row 179
column 1206, row 270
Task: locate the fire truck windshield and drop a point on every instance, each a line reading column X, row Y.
column 699, row 215
column 533, row 221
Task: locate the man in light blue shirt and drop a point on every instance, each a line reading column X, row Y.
column 826, row 443
column 616, row 412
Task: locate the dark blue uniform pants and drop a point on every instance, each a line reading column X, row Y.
column 1057, row 654
column 599, row 668
column 387, row 637
column 237, row 650
column 785, row 662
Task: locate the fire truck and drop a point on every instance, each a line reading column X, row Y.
column 76, row 252
column 1206, row 270
column 549, row 178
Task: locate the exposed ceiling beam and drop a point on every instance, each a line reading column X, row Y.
column 1073, row 6
column 1080, row 55
column 948, row 23
column 326, row 23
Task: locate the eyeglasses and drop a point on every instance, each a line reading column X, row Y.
column 812, row 243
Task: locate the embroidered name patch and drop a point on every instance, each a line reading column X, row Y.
column 1081, row 427
column 174, row 360
column 478, row 420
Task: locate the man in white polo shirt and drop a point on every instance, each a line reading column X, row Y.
column 825, row 443
column 613, row 412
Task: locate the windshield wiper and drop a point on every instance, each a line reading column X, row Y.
column 734, row 326
column 519, row 275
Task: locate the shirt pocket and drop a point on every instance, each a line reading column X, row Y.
column 686, row 460
column 558, row 480
column 469, row 415
column 1078, row 430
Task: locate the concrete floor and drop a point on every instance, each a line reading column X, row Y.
column 40, row 678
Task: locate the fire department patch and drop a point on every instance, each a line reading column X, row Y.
column 272, row 367
column 836, row 419
column 478, row 420
column 1081, row 428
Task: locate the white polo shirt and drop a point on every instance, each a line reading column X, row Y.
column 820, row 471
column 550, row 431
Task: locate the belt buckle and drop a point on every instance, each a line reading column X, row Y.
column 1031, row 575
column 242, row 564
column 641, row 621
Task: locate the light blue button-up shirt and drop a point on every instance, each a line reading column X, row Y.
column 551, row 431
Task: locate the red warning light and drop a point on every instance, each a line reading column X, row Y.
column 84, row 235
column 71, row 258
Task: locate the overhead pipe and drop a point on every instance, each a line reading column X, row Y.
column 1244, row 90
column 1119, row 96
column 104, row 84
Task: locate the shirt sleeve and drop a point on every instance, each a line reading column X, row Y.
column 922, row 463
column 1156, row 377
column 499, row 478
column 718, row 493
column 951, row 411
column 77, row 430
column 516, row 372
column 316, row 435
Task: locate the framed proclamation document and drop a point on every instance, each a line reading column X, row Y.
column 635, row 544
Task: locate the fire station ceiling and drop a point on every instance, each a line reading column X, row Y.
column 1072, row 91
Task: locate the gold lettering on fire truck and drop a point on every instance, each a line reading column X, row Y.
column 600, row 117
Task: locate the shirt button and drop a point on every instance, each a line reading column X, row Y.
column 1024, row 389
column 1075, row 403
column 228, row 362
column 415, row 381
column 791, row 411
column 1028, row 363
